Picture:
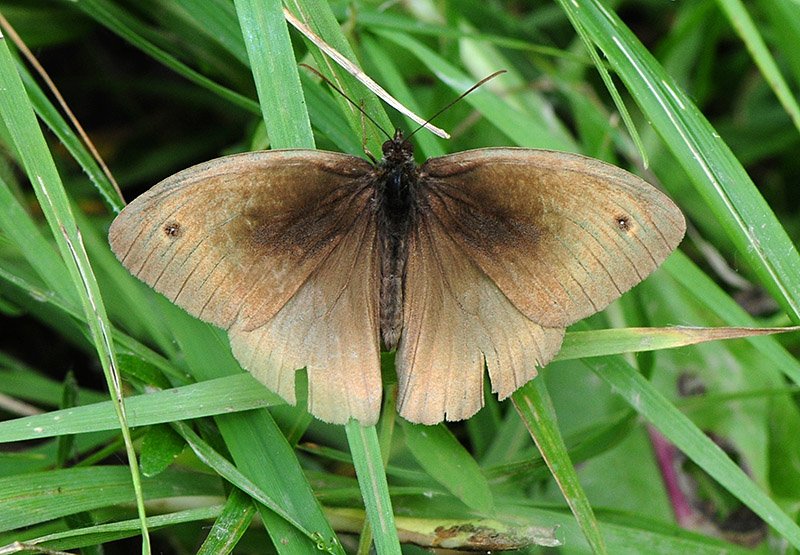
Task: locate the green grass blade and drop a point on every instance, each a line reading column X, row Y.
column 275, row 72
column 230, row 473
column 209, row 398
column 784, row 17
column 579, row 344
column 96, row 534
column 446, row 461
column 367, row 458
column 653, row 406
column 535, row 408
column 230, row 525
column 30, row 498
column 19, row 118
column 744, row 25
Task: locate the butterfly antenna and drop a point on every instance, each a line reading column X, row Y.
column 462, row 95
column 347, row 98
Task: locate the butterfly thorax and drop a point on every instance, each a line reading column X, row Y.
column 397, row 178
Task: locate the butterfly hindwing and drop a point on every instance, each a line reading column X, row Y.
column 455, row 320
column 329, row 326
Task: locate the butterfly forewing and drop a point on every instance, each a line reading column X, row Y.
column 560, row 234
column 279, row 248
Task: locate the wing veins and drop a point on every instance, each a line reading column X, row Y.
column 351, row 199
column 435, row 191
column 599, row 260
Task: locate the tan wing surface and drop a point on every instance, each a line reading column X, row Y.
column 454, row 318
column 330, row 326
column 233, row 239
column 277, row 247
column 560, row 234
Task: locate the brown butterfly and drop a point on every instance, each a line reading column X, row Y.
column 469, row 261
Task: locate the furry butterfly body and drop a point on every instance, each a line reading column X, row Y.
column 468, row 262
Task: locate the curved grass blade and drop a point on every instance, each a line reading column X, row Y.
column 18, row 115
column 275, row 72
column 534, row 406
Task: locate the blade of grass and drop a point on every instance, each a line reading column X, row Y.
column 218, row 396
column 16, row 111
column 535, row 408
column 230, row 525
column 29, row 498
column 367, row 458
column 784, row 19
column 275, row 72
column 386, row 431
column 230, row 473
column 110, row 531
column 743, row 23
column 449, row 463
column 579, row 344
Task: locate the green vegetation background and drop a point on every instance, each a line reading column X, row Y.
column 711, row 87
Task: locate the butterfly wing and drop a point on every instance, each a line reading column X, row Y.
column 512, row 246
column 454, row 318
column 562, row 235
column 255, row 243
column 330, row 326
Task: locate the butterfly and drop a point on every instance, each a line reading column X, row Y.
column 469, row 262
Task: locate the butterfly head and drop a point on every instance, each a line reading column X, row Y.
column 398, row 149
